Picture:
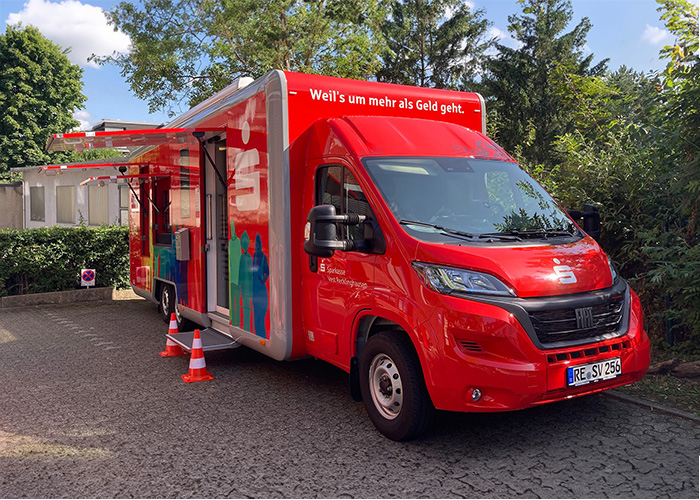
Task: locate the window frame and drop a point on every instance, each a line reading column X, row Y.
column 124, row 208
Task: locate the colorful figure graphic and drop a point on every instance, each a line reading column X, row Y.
column 261, row 271
column 245, row 281
column 234, row 264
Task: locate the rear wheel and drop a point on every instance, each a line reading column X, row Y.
column 393, row 389
column 166, row 303
column 183, row 324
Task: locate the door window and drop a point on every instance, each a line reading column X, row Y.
column 185, row 183
column 163, row 222
column 98, row 205
column 338, row 186
column 65, row 204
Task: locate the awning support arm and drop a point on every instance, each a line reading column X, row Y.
column 150, row 200
column 200, row 137
column 136, row 196
column 140, row 202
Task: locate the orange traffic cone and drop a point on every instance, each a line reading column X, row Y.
column 171, row 348
column 198, row 368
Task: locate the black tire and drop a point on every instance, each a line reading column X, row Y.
column 184, row 324
column 393, row 388
column 166, row 302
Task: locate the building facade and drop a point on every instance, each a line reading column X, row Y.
column 11, row 214
column 55, row 197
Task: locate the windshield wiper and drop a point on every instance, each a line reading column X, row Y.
column 532, row 233
column 446, row 230
column 546, row 233
column 501, row 236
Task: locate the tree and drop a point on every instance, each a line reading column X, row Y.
column 525, row 83
column 436, row 43
column 186, row 50
column 634, row 153
column 39, row 91
column 677, row 249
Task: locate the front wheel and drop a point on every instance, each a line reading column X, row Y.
column 393, row 389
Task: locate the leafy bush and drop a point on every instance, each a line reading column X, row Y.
column 49, row 259
column 635, row 154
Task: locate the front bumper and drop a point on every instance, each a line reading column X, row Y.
column 470, row 345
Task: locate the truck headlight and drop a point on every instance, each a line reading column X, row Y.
column 612, row 270
column 452, row 280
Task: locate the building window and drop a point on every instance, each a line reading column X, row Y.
column 124, row 205
column 65, row 204
column 36, row 203
column 98, row 205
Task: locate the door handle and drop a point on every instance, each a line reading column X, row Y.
column 210, row 236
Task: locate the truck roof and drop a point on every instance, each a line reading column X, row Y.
column 301, row 100
column 397, row 136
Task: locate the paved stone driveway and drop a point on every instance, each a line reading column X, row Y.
column 89, row 409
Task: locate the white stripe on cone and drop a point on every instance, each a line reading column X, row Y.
column 196, row 343
column 197, row 363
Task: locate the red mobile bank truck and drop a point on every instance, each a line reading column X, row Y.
column 376, row 227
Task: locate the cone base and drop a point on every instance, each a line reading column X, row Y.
column 197, row 378
column 172, row 353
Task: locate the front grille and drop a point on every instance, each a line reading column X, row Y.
column 469, row 345
column 561, row 325
column 587, row 353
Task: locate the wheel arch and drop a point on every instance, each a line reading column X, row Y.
column 158, row 284
column 368, row 325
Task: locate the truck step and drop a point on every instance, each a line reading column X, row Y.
column 212, row 340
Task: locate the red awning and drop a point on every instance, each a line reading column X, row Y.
column 58, row 168
column 49, row 168
column 79, row 141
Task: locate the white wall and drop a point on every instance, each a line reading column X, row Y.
column 33, row 177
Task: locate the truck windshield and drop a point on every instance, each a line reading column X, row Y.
column 477, row 198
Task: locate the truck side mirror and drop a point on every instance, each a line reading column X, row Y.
column 322, row 239
column 591, row 220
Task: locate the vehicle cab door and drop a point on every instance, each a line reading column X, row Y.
column 337, row 288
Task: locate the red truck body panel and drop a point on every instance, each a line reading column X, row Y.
column 247, row 273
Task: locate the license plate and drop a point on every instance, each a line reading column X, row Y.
column 593, row 372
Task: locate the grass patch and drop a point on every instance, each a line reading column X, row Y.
column 680, row 393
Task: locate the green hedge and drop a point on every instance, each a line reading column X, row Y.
column 49, row 259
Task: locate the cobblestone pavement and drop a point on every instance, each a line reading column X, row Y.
column 89, row 409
